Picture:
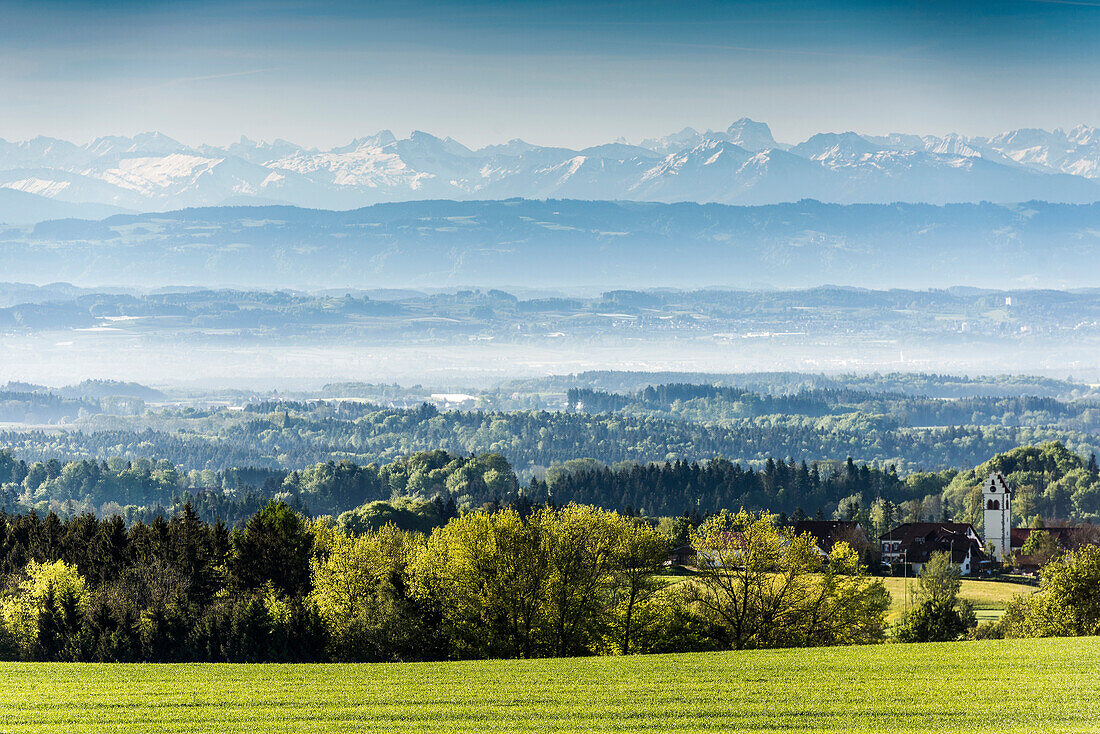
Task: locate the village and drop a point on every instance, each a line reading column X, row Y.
column 906, row 548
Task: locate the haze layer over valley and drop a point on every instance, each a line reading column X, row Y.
column 61, row 334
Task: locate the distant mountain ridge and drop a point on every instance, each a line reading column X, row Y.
column 743, row 164
column 556, row 243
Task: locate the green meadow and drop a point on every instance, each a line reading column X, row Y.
column 1049, row 685
column 989, row 598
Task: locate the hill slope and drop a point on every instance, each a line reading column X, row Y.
column 19, row 207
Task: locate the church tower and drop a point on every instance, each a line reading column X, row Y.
column 997, row 499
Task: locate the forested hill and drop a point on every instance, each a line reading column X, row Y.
column 293, row 437
column 540, row 243
column 426, row 488
column 663, row 448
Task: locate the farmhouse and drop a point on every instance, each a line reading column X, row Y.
column 681, row 556
column 1065, row 538
column 915, row 542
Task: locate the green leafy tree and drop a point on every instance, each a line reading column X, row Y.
column 44, row 609
column 1041, row 546
column 771, row 588
column 1067, row 603
column 638, row 555
column 939, row 580
column 938, row 615
column 581, row 543
column 359, row 592
column 934, row 621
column 488, row 574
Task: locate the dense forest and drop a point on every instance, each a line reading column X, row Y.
column 289, row 435
column 653, row 444
column 425, row 489
column 723, row 405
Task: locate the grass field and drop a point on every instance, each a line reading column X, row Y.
column 988, row 597
column 1049, row 686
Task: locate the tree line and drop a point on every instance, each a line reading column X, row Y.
column 726, row 405
column 514, row 582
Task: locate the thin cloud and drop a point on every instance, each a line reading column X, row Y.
column 208, row 77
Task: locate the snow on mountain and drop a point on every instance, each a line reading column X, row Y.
column 751, row 135
column 255, row 152
column 147, row 144
column 41, row 152
column 1076, row 152
column 150, row 176
column 686, row 138
column 836, row 149
column 704, row 173
column 951, row 145
column 741, row 164
column 367, row 165
column 748, row 134
column 513, row 147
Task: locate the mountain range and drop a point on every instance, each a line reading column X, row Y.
column 743, row 164
column 569, row 243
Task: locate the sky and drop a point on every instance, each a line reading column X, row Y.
column 553, row 73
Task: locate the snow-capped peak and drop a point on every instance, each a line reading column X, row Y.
column 741, row 164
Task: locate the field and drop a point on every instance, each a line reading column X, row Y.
column 1002, row 686
column 988, row 597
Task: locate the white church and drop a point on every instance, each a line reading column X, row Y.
column 997, row 499
column 913, row 543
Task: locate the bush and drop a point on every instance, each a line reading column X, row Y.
column 934, row 621
column 1066, row 605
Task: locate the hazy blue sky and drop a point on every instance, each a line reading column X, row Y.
column 572, row 73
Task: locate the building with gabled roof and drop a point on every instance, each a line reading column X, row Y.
column 827, row 533
column 915, row 542
column 1067, row 538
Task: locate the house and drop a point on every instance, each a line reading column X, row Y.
column 722, row 549
column 1065, row 537
column 915, row 542
column 681, row 556
column 827, row 533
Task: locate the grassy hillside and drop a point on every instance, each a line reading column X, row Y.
column 1002, row 686
column 988, row 597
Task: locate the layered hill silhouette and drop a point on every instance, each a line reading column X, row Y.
column 557, row 243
